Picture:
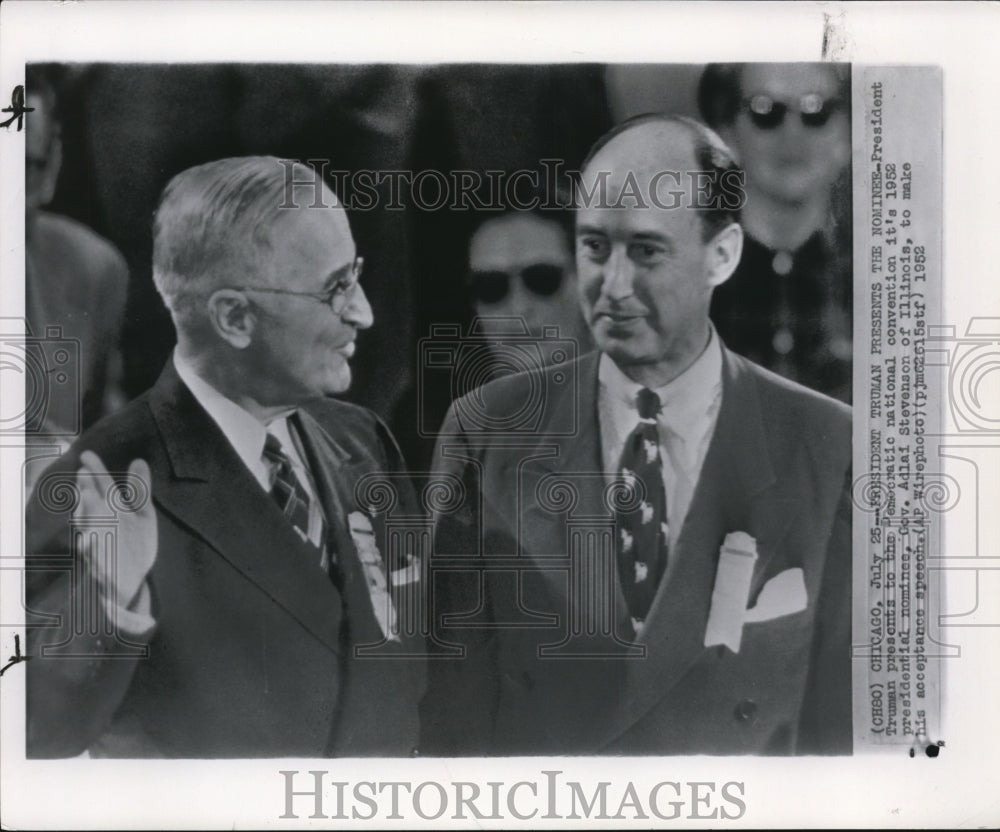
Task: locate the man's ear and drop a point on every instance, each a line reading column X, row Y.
column 232, row 317
column 723, row 254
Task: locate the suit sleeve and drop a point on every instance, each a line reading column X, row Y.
column 83, row 650
column 826, row 725
column 458, row 712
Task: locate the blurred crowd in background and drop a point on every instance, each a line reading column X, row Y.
column 105, row 139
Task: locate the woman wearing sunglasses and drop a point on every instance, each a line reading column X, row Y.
column 788, row 306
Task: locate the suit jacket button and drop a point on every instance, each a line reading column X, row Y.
column 414, row 752
column 746, row 710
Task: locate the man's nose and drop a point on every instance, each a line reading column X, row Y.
column 520, row 301
column 358, row 311
column 792, row 130
column 619, row 276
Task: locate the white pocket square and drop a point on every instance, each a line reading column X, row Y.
column 784, row 594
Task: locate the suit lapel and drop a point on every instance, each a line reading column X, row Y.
column 576, row 466
column 336, row 472
column 736, row 491
column 553, row 458
column 210, row 491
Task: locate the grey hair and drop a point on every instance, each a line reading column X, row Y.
column 214, row 222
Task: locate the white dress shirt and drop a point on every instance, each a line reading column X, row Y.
column 247, row 435
column 690, row 408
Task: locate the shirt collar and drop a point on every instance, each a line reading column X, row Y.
column 685, row 399
column 243, row 430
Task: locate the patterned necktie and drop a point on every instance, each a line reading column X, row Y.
column 287, row 490
column 643, row 536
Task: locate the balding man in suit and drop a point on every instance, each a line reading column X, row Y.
column 662, row 565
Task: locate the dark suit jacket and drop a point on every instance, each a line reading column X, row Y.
column 546, row 674
column 253, row 650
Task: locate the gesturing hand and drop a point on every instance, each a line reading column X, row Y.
column 119, row 578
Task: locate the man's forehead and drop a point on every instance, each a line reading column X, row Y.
column 647, row 221
column 648, row 170
column 316, row 241
column 782, row 80
column 644, row 150
column 327, row 220
column 514, row 238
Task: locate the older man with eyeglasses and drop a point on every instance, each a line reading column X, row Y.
column 247, row 596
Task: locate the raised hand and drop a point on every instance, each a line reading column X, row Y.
column 120, row 578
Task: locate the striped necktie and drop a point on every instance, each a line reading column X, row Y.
column 287, row 491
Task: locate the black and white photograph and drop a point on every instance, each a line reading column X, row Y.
column 479, row 430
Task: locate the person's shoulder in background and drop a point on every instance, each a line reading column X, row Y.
column 58, row 236
column 543, row 400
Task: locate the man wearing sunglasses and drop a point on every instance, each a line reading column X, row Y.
column 230, row 622
column 788, row 306
column 672, row 574
column 522, row 279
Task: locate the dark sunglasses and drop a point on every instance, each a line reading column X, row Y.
column 813, row 110
column 542, row 279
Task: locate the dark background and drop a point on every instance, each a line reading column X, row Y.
column 128, row 128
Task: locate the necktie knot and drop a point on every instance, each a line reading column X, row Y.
column 273, row 450
column 648, row 404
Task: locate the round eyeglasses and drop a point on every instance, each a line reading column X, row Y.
column 336, row 297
